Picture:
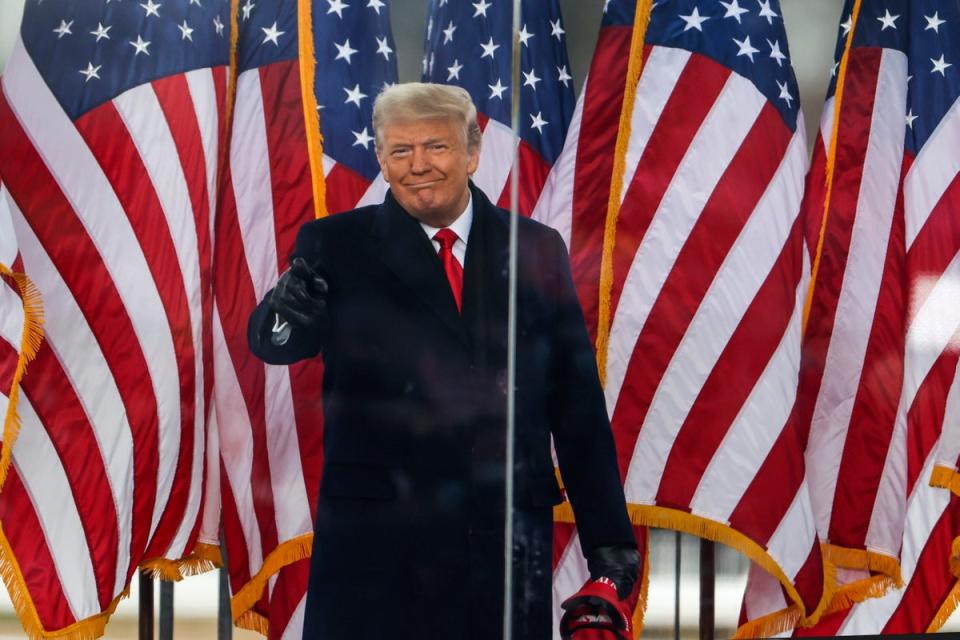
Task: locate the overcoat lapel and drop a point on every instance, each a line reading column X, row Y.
column 405, row 250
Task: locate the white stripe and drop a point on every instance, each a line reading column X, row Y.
column 496, row 159
column 660, row 75
column 251, row 161
column 924, row 508
column 92, row 197
column 252, row 185
column 11, row 321
column 140, row 110
column 67, row 333
column 210, row 516
column 283, row 450
column 8, row 239
column 204, row 100
column 568, row 577
column 236, row 443
column 934, row 169
column 375, row 193
column 203, row 94
column 328, row 165
column 856, row 307
column 949, row 449
column 294, row 628
column 45, row 481
column 555, row 205
column 720, row 312
column 791, row 544
column 763, row 594
column 826, row 123
column 704, row 163
column 756, row 428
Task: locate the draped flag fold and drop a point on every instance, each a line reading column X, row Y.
column 111, row 121
column 300, row 146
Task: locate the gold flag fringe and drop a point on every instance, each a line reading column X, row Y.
column 285, row 554
column 772, row 624
column 865, row 560
column 946, row 478
column 311, row 117
column 641, row 21
column 253, row 621
column 831, row 159
column 30, row 341
column 203, row 558
column 947, row 608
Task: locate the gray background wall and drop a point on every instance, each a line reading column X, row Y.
column 811, row 30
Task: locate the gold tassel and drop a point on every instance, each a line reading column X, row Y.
column 285, row 554
column 30, row 341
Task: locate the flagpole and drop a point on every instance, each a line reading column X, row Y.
column 512, row 328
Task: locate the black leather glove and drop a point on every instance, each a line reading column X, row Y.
column 300, row 296
column 618, row 563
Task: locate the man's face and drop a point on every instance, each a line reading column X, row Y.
column 427, row 165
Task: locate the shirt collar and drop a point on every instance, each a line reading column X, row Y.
column 460, row 226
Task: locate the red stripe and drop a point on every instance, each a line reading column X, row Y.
column 25, row 535
column 813, row 198
column 345, row 187
column 9, row 356
column 721, row 222
column 874, row 411
column 697, row 88
column 809, row 579
column 235, row 301
column 288, row 591
column 925, row 416
column 938, row 242
column 562, row 535
column 290, row 177
column 852, row 137
column 533, row 175
column 76, row 258
column 932, row 580
column 600, row 118
column 293, row 206
column 63, row 416
column 106, row 135
column 173, row 95
column 238, row 554
column 734, row 377
column 306, row 379
column 828, row 626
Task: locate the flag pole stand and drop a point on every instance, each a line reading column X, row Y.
column 678, row 538
column 708, row 580
column 166, row 610
column 224, row 616
column 145, row 584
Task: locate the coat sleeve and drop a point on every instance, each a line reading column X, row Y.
column 302, row 344
column 581, row 430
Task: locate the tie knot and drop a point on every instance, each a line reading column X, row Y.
column 446, row 238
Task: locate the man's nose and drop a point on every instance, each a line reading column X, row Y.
column 420, row 163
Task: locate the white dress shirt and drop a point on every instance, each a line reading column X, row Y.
column 460, row 226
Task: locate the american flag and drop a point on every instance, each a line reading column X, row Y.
column 701, row 284
column 470, row 44
column 880, row 386
column 270, row 418
column 111, row 115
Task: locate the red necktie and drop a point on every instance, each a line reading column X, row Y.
column 451, row 265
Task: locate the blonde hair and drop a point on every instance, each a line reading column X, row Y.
column 412, row 101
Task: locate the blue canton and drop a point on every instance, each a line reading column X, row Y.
column 746, row 36
column 356, row 59
column 91, row 51
column 928, row 33
column 469, row 44
column 267, row 33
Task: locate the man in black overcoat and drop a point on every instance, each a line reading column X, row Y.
column 409, row 533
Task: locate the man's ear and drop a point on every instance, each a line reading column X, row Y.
column 473, row 160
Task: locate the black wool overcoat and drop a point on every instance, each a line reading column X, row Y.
column 409, row 536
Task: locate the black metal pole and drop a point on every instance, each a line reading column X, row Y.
column 166, row 610
column 224, row 613
column 708, row 577
column 146, row 607
column 676, row 587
